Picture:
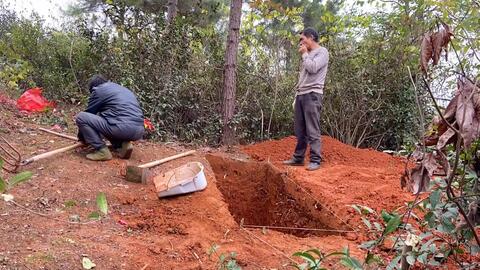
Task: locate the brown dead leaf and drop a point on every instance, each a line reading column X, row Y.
column 426, row 52
column 440, row 42
column 417, row 155
column 418, row 179
column 449, row 113
column 446, row 138
column 468, row 111
column 432, row 46
column 473, row 215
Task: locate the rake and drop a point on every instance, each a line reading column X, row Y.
column 10, row 155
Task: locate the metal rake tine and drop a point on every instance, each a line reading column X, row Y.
column 16, row 155
column 9, row 158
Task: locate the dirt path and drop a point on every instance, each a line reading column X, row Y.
column 143, row 232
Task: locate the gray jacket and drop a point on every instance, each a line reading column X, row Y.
column 115, row 103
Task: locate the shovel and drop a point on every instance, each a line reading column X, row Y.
column 50, row 153
column 139, row 174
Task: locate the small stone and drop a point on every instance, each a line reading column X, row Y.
column 351, row 236
column 74, row 218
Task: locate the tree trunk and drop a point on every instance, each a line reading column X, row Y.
column 229, row 76
column 171, row 10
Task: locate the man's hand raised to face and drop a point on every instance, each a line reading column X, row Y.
column 302, row 49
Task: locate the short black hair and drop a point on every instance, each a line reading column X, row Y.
column 311, row 33
column 95, row 81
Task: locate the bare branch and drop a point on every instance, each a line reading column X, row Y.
column 436, row 105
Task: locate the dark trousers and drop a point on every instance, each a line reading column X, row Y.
column 91, row 129
column 307, row 126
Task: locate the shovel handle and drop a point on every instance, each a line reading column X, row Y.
column 51, row 153
column 160, row 161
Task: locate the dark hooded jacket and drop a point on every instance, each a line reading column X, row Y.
column 115, row 103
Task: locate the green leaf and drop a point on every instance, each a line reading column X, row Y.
column 102, row 203
column 430, row 218
column 315, row 251
column 434, row 198
column 335, row 254
column 296, row 266
column 392, row 224
column 18, row 178
column 386, row 216
column 3, row 185
column 411, row 259
column 367, row 223
column 446, row 225
column 372, row 258
column 94, row 215
column 422, row 258
column 354, row 206
column 367, row 210
column 70, row 203
column 474, row 250
column 87, row 263
column 426, row 246
column 213, row 249
column 304, row 255
column 351, row 263
column 394, row 263
column 368, row 245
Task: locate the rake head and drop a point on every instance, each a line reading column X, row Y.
column 10, row 156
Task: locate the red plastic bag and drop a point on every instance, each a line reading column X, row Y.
column 33, row 101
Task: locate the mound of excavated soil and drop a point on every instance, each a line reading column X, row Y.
column 347, row 176
column 334, row 152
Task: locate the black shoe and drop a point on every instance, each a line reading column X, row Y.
column 293, row 162
column 312, row 166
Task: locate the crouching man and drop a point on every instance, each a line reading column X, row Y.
column 114, row 113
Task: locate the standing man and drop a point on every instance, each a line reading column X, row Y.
column 113, row 112
column 308, row 99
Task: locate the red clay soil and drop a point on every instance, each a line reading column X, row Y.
column 141, row 231
column 144, row 232
column 347, row 175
